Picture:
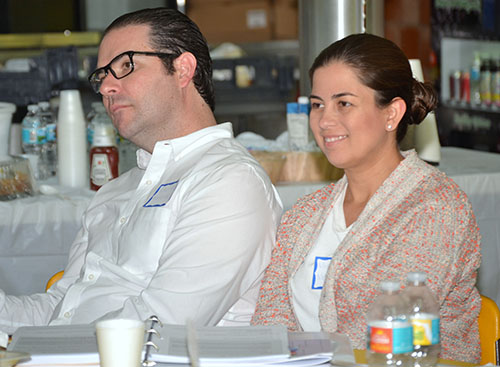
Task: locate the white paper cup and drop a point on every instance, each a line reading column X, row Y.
column 6, row 111
column 72, row 160
column 120, row 342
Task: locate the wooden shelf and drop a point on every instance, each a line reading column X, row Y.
column 46, row 40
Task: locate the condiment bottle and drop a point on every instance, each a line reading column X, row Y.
column 103, row 156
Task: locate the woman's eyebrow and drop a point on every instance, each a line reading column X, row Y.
column 334, row 96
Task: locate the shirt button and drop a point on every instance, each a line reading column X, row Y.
column 148, row 182
column 122, row 220
column 91, row 277
column 67, row 315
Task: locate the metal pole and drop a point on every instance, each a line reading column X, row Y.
column 322, row 22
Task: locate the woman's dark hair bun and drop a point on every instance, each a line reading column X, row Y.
column 424, row 101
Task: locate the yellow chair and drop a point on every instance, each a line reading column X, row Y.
column 489, row 330
column 54, row 278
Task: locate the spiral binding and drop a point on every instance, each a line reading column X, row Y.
column 149, row 343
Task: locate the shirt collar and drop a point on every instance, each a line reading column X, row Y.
column 185, row 144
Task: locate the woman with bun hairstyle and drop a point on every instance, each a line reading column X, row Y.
column 390, row 214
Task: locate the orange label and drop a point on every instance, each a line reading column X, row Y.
column 380, row 340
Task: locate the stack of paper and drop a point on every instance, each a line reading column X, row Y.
column 75, row 345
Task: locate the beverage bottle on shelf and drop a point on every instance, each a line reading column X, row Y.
column 103, row 155
column 33, row 140
column 485, row 82
column 465, row 87
column 495, row 83
column 424, row 316
column 50, row 147
column 475, row 77
column 390, row 333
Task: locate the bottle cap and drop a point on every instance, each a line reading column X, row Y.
column 303, row 100
column 416, row 277
column 104, row 135
column 98, row 107
column 44, row 105
column 390, row 285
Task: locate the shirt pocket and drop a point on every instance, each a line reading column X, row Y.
column 143, row 238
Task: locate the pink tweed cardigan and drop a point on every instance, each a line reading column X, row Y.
column 418, row 220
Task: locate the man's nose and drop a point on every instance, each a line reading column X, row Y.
column 109, row 85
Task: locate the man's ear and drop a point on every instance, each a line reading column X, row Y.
column 395, row 112
column 185, row 66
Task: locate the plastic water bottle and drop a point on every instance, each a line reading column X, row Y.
column 485, row 82
column 297, row 118
column 33, row 140
column 128, row 156
column 475, row 78
column 424, row 317
column 96, row 115
column 390, row 333
column 50, row 147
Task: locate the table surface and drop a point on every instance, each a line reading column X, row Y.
column 36, row 232
column 360, row 356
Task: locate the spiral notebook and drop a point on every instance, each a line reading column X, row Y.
column 172, row 345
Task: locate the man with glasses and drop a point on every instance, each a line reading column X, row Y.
column 188, row 233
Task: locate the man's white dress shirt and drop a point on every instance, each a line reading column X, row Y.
column 186, row 234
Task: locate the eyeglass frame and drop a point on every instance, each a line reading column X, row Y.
column 107, row 68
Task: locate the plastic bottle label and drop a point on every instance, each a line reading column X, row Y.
column 100, row 170
column 386, row 339
column 29, row 136
column 51, row 132
column 474, row 74
column 90, row 135
column 41, row 135
column 425, row 331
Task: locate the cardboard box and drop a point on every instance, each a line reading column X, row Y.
column 237, row 21
column 297, row 166
column 285, row 20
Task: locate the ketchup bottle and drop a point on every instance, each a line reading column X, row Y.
column 103, row 156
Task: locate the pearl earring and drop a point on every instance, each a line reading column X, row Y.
column 389, row 127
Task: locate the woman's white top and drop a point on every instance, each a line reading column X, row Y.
column 307, row 282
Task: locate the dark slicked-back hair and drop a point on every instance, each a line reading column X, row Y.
column 173, row 32
column 382, row 66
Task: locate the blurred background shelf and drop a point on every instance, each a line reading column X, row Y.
column 48, row 40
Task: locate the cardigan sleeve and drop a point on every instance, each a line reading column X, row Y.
column 274, row 304
column 461, row 305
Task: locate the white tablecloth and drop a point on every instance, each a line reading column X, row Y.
column 35, row 236
column 35, row 233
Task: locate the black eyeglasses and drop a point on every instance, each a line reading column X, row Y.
column 121, row 66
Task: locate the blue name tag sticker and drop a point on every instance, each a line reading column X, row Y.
column 162, row 195
column 321, row 265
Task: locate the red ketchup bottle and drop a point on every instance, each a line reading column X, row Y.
column 103, row 156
